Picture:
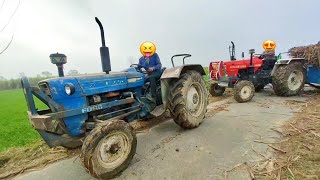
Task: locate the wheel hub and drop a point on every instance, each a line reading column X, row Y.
column 245, row 92
column 295, row 80
column 113, row 149
column 194, row 99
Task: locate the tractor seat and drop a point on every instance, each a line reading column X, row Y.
column 163, row 69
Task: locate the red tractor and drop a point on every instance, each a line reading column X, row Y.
column 246, row 76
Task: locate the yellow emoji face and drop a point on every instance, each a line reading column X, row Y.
column 147, row 49
column 269, row 45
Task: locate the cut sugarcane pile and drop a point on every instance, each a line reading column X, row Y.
column 310, row 53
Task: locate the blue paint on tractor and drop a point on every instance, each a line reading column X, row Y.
column 92, row 84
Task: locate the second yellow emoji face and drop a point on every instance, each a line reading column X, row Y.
column 269, row 45
column 147, row 49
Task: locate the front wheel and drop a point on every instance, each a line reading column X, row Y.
column 216, row 90
column 243, row 91
column 108, row 149
column 188, row 100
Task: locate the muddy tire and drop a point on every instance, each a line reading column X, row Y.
column 108, row 149
column 188, row 100
column 289, row 80
column 243, row 91
column 259, row 88
column 216, row 90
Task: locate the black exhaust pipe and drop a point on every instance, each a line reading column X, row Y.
column 104, row 51
column 232, row 52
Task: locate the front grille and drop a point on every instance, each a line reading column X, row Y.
column 44, row 87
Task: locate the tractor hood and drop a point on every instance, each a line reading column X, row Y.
column 90, row 84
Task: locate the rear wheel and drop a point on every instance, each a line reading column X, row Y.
column 189, row 100
column 216, row 90
column 243, row 91
column 108, row 149
column 289, row 80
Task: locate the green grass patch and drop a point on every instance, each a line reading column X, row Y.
column 16, row 130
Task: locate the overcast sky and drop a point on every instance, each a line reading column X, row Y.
column 203, row 28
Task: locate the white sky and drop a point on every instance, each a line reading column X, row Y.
column 203, row 28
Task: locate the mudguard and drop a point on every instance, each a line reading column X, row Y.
column 172, row 74
column 285, row 62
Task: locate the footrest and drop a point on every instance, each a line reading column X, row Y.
column 158, row 111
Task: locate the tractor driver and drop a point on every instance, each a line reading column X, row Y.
column 269, row 59
column 151, row 61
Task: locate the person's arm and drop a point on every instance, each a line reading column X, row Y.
column 158, row 63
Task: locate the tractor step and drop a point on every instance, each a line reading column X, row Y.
column 223, row 84
column 159, row 110
column 224, row 81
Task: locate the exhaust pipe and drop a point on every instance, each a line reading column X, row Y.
column 104, row 51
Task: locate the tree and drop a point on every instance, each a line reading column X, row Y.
column 2, row 78
column 73, row 72
column 46, row 74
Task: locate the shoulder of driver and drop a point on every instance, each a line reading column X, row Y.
column 269, row 52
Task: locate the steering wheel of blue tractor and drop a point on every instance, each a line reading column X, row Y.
column 138, row 67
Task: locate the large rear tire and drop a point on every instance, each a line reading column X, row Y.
column 243, row 91
column 289, row 80
column 188, row 100
column 108, row 149
column 216, row 90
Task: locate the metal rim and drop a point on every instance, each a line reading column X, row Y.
column 295, row 80
column 113, row 150
column 245, row 92
column 195, row 99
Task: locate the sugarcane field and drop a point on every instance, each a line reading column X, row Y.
column 159, row 90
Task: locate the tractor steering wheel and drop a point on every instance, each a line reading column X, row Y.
column 260, row 56
column 138, row 67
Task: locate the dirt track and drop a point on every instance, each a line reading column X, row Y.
column 230, row 135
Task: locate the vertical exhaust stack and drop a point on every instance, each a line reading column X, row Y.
column 104, row 51
column 232, row 52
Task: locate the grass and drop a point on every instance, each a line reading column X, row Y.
column 301, row 142
column 16, row 130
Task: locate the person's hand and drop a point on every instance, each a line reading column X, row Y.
column 151, row 69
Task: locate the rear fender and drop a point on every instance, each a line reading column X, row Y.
column 172, row 75
column 281, row 62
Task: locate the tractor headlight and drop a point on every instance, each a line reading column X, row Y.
column 69, row 89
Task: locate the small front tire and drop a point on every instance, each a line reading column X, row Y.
column 243, row 91
column 108, row 149
column 216, row 90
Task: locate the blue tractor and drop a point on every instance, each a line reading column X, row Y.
column 94, row 111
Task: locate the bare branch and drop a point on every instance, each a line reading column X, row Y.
column 2, row 4
column 11, row 16
column 7, row 45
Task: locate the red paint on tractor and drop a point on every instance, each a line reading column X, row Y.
column 232, row 67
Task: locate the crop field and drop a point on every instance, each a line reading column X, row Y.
column 15, row 127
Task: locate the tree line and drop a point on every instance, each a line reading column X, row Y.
column 15, row 83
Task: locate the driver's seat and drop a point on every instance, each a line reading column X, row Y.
column 163, row 69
